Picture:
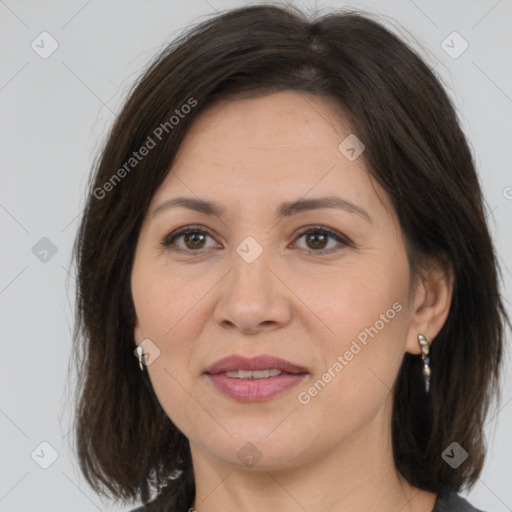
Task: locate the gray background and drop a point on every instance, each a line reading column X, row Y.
column 54, row 115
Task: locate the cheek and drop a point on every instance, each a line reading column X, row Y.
column 159, row 311
column 169, row 318
column 357, row 297
column 366, row 312
column 361, row 358
column 168, row 313
column 166, row 298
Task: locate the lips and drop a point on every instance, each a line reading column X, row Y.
column 259, row 363
column 254, row 379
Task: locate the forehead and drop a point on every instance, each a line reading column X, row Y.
column 278, row 122
column 274, row 146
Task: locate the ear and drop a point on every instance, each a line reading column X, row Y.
column 431, row 305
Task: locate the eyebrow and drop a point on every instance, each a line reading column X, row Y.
column 287, row 209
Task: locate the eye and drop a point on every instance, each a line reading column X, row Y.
column 318, row 239
column 192, row 238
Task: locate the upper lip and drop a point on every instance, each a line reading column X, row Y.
column 263, row 362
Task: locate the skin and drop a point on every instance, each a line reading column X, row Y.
column 333, row 453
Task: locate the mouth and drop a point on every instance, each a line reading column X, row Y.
column 252, row 366
column 254, row 379
column 248, row 374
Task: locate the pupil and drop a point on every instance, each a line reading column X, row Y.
column 195, row 238
column 317, row 238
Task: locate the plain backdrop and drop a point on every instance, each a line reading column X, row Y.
column 55, row 112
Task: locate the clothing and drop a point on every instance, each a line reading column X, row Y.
column 453, row 503
column 444, row 503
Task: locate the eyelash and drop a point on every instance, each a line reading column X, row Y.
column 169, row 239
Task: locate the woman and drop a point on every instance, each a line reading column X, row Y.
column 286, row 228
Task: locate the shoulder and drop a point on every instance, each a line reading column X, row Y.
column 452, row 502
column 151, row 506
column 159, row 506
column 148, row 507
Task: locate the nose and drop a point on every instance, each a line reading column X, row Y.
column 252, row 298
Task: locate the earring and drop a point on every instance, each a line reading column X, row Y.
column 425, row 348
column 140, row 356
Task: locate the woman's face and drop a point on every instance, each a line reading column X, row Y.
column 262, row 277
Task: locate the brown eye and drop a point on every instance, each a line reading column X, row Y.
column 189, row 239
column 316, row 240
column 320, row 240
column 194, row 240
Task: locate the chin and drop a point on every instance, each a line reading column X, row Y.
column 258, row 451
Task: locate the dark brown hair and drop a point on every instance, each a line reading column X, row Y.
column 415, row 149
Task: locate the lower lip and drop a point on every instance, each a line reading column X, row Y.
column 255, row 390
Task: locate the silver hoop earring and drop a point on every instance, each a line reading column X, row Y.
column 425, row 349
column 140, row 356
